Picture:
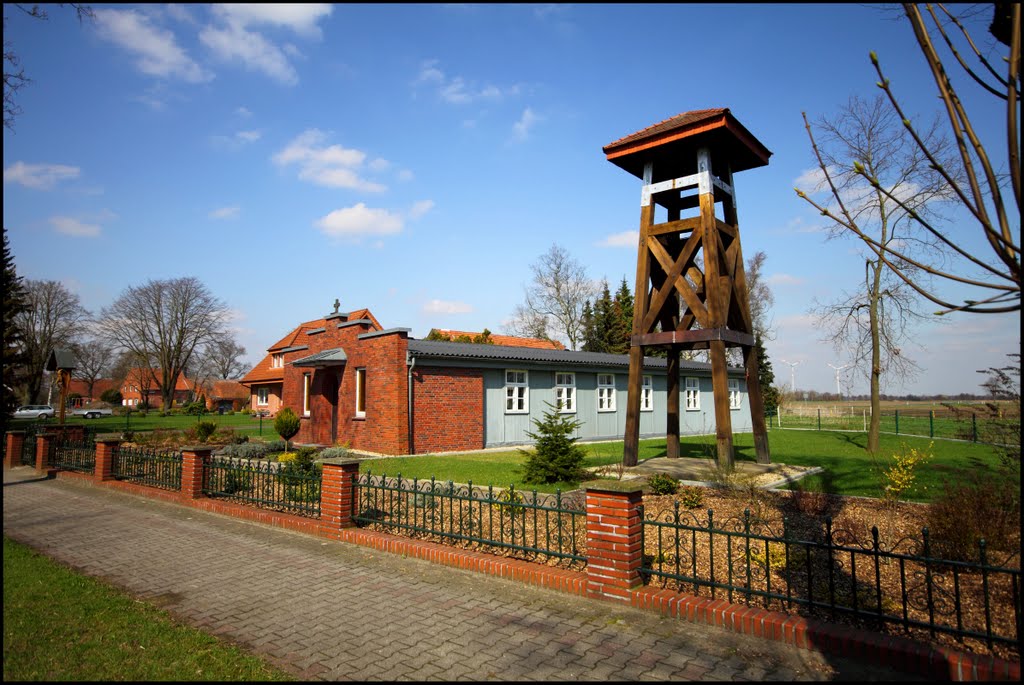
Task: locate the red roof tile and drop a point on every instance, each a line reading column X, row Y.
column 509, row 340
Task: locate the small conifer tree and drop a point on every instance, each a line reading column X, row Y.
column 556, row 457
column 286, row 424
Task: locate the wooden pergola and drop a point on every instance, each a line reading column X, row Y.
column 679, row 305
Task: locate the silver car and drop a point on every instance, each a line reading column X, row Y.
column 34, row 411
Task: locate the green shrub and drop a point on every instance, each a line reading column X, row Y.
column 692, row 497
column 335, row 453
column 660, row 484
column 970, row 508
column 286, row 424
column 196, row 408
column 556, row 456
column 112, row 396
column 204, row 429
column 299, row 475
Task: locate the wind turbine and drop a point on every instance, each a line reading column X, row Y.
column 839, row 390
column 792, row 373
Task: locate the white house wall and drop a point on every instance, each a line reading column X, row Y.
column 501, row 428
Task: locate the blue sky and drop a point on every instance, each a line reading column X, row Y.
column 416, row 159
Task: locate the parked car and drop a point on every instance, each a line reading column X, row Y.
column 34, row 411
column 93, row 412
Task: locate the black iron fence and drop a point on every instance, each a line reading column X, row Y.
column 78, row 455
column 291, row 488
column 838, row 576
column 524, row 525
column 147, row 467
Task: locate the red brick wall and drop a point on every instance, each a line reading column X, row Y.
column 448, row 409
column 384, row 428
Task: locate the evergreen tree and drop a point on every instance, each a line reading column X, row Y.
column 589, row 338
column 623, row 306
column 14, row 304
column 605, row 320
column 766, row 376
column 556, row 457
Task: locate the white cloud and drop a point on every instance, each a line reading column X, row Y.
column 225, row 213
column 419, row 209
column 243, row 112
column 249, row 136
column 521, row 129
column 73, row 227
column 39, row 176
column 234, row 44
column 300, row 18
column 359, row 221
column 156, row 50
column 446, row 307
column 784, row 279
column 232, row 40
column 811, row 180
column 180, row 13
column 624, row 239
column 380, row 165
column 405, row 175
column 455, row 90
column 332, row 166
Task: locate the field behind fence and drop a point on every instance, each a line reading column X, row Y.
column 970, row 423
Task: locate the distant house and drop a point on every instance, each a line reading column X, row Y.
column 225, row 395
column 140, row 388
column 352, row 382
column 78, row 390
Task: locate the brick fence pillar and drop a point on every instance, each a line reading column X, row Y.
column 105, row 457
column 44, row 450
column 338, row 494
column 193, row 463
column 614, row 539
column 15, row 442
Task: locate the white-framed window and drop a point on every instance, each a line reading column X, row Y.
column 565, row 392
column 605, row 392
column 692, row 394
column 307, row 383
column 360, row 392
column 277, row 360
column 734, row 393
column 647, row 394
column 262, row 396
column 517, row 392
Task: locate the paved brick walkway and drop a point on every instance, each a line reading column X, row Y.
column 335, row 611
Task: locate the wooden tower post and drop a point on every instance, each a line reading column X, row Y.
column 678, row 304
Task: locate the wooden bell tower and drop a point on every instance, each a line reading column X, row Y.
column 686, row 163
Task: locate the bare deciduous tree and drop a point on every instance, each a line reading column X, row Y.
column 225, row 359
column 872, row 322
column 975, row 181
column 52, row 319
column 166, row 322
column 554, row 299
column 761, row 297
column 93, row 358
column 14, row 74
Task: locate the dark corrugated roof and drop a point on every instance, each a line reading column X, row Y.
column 332, row 357
column 454, row 350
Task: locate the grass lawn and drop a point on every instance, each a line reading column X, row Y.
column 244, row 424
column 60, row 625
column 848, row 468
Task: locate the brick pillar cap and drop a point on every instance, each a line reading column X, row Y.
column 15, row 432
column 619, row 486
column 45, row 435
column 341, row 462
column 198, row 449
column 108, row 437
